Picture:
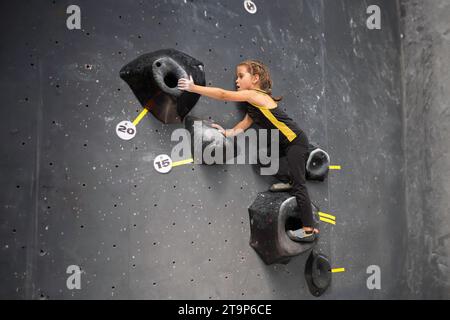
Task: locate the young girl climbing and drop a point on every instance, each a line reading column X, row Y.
column 254, row 86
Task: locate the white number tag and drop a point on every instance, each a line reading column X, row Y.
column 162, row 163
column 126, row 130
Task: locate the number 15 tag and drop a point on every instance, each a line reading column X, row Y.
column 162, row 163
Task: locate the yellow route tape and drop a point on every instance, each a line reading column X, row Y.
column 146, row 107
column 338, row 270
column 328, row 220
column 326, row 215
column 334, row 167
column 179, row 163
column 140, row 116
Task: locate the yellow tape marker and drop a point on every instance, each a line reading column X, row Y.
column 140, row 116
column 334, row 167
column 338, row 270
column 326, row 215
column 146, row 107
column 328, row 220
column 179, row 163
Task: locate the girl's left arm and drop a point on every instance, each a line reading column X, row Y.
column 221, row 94
column 212, row 92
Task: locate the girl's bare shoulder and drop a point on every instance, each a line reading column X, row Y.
column 262, row 99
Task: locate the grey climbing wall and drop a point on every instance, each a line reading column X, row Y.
column 73, row 193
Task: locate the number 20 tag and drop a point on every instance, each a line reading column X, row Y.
column 162, row 163
column 126, row 130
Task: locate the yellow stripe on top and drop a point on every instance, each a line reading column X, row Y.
column 288, row 133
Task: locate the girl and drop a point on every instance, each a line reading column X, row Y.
column 254, row 86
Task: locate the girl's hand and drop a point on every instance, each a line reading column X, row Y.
column 186, row 84
column 221, row 130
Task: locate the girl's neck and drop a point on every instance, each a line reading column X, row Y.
column 255, row 88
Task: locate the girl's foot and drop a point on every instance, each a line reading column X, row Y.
column 300, row 235
column 316, row 231
column 280, row 187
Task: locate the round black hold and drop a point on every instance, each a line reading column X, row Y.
column 317, row 165
column 321, row 274
column 211, row 141
column 317, row 273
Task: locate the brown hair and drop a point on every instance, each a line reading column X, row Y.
column 257, row 67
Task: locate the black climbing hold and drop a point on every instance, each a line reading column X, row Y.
column 153, row 78
column 209, row 141
column 317, row 273
column 317, row 164
column 271, row 215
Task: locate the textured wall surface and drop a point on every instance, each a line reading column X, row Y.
column 426, row 52
column 73, row 193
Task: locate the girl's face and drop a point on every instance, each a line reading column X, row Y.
column 244, row 80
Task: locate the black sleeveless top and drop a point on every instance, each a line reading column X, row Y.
column 275, row 118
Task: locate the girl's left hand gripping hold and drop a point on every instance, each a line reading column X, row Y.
column 186, row 84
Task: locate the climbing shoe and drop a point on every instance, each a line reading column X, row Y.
column 301, row 235
column 281, row 186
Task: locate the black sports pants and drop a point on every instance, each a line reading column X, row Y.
column 295, row 170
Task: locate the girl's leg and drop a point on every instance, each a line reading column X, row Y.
column 283, row 171
column 296, row 156
column 282, row 174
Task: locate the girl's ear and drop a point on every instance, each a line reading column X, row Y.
column 255, row 78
